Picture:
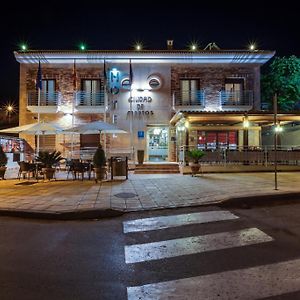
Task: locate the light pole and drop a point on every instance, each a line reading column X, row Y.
column 9, row 108
column 276, row 130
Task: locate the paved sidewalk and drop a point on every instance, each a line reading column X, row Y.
column 139, row 192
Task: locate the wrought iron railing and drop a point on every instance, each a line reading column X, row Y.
column 189, row 98
column 236, row 98
column 89, row 99
column 249, row 155
column 46, row 98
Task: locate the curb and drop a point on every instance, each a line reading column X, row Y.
column 63, row 216
column 245, row 202
column 261, row 200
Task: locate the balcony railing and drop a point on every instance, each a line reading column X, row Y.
column 46, row 98
column 89, row 99
column 236, row 98
column 189, row 98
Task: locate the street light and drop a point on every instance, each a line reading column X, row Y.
column 275, row 140
column 9, row 109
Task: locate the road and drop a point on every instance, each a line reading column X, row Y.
column 192, row 253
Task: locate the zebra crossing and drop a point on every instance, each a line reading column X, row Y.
column 269, row 280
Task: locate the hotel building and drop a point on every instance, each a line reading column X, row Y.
column 165, row 99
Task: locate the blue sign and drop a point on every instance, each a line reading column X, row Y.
column 141, row 134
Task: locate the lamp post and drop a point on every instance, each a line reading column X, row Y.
column 275, row 141
column 9, row 109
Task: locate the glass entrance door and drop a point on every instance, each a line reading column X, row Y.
column 157, row 139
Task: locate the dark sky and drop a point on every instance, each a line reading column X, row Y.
column 62, row 25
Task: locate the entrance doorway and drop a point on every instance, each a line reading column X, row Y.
column 157, row 143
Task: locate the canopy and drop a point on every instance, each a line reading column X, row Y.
column 95, row 127
column 35, row 128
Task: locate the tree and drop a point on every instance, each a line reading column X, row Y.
column 283, row 78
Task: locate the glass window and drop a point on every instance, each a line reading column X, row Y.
column 188, row 90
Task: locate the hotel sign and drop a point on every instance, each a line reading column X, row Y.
column 140, row 109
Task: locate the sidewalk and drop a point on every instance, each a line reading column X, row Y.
column 138, row 193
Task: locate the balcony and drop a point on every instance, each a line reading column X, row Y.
column 237, row 100
column 87, row 102
column 189, row 100
column 48, row 103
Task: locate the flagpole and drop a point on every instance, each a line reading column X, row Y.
column 131, row 114
column 38, row 133
column 105, row 102
column 39, row 86
column 73, row 105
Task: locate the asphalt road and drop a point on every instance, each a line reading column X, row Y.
column 207, row 253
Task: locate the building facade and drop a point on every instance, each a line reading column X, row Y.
column 167, row 101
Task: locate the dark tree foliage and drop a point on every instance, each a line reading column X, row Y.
column 283, row 78
column 3, row 158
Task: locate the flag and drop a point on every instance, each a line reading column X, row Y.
column 130, row 72
column 38, row 83
column 104, row 72
column 74, row 76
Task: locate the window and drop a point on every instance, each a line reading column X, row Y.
column 92, row 92
column 115, row 119
column 217, row 140
column 48, row 95
column 91, row 85
column 189, row 90
column 89, row 141
column 234, row 90
column 234, row 84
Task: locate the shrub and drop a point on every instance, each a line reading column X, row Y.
column 48, row 159
column 99, row 159
column 195, row 155
column 3, row 158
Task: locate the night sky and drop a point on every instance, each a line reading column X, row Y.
column 60, row 25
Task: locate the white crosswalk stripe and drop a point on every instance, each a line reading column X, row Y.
column 234, row 284
column 195, row 244
column 156, row 223
column 268, row 280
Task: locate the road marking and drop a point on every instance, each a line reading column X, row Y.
column 252, row 283
column 196, row 244
column 157, row 223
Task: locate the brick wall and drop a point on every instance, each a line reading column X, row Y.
column 212, row 79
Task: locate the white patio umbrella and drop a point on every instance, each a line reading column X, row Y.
column 42, row 128
column 94, row 128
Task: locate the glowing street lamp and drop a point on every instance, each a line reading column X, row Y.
column 82, row 47
column 194, row 47
column 24, row 47
column 138, row 46
column 9, row 109
column 252, row 47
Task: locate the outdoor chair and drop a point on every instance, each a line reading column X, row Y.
column 25, row 169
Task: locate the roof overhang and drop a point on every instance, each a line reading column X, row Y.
column 186, row 57
column 261, row 118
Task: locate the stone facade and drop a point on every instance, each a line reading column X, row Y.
column 212, row 80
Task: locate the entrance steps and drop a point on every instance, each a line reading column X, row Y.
column 152, row 168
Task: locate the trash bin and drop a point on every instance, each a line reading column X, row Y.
column 119, row 166
column 140, row 156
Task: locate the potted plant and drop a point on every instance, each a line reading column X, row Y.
column 48, row 160
column 99, row 161
column 3, row 162
column 195, row 155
